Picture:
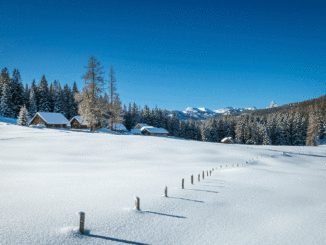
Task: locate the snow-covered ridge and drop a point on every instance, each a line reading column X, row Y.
column 273, row 104
column 202, row 113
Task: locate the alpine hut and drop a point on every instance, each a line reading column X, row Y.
column 50, row 120
column 78, row 123
column 140, row 125
column 118, row 128
column 227, row 140
column 154, row 131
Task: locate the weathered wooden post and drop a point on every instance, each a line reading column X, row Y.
column 207, row 173
column 137, row 203
column 165, row 191
column 81, row 222
column 183, row 183
column 210, row 173
column 198, row 177
column 192, row 179
column 203, row 174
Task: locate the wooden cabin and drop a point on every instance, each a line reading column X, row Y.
column 141, row 125
column 78, row 123
column 149, row 130
column 227, row 140
column 50, row 120
column 118, row 128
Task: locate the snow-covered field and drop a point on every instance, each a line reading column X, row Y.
column 48, row 175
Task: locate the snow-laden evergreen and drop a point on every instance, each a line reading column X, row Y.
column 23, row 118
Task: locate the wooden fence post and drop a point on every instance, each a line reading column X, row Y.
column 207, row 173
column 203, row 174
column 198, row 177
column 137, row 203
column 192, row 179
column 81, row 222
column 165, row 191
column 183, row 183
column 210, row 173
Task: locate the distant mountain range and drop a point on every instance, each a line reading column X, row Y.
column 204, row 113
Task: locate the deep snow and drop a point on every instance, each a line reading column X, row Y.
column 49, row 175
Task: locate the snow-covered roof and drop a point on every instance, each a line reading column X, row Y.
column 119, row 127
column 154, row 130
column 79, row 119
column 142, row 125
column 135, row 131
column 52, row 118
column 227, row 139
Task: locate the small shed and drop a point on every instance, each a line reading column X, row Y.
column 227, row 140
column 118, row 128
column 78, row 123
column 50, row 120
column 154, row 131
column 141, row 125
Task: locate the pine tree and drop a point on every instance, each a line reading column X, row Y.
column 43, row 96
column 128, row 120
column 265, row 137
column 32, row 103
column 74, row 88
column 52, row 97
column 36, row 97
column 26, row 96
column 4, row 79
column 72, row 104
column 23, row 118
column 320, row 125
column 66, row 101
column 58, row 98
column 17, row 93
column 6, row 105
column 312, row 131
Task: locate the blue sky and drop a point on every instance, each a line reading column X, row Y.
column 174, row 54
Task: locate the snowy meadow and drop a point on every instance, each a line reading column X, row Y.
column 275, row 196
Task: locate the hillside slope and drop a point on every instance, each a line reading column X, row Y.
column 49, row 175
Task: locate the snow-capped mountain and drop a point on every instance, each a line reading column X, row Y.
column 204, row 113
column 273, row 104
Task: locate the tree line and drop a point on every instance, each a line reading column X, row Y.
column 37, row 98
column 98, row 103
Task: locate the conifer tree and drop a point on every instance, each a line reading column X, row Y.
column 26, row 96
column 17, row 93
column 52, row 97
column 6, row 105
column 43, row 96
column 74, row 88
column 312, row 131
column 4, row 79
column 32, row 103
column 36, row 97
column 23, row 118
column 265, row 137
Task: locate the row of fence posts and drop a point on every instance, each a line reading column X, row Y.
column 137, row 200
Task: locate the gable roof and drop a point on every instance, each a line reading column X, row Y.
column 79, row 119
column 142, row 125
column 154, row 130
column 52, row 118
column 227, row 139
